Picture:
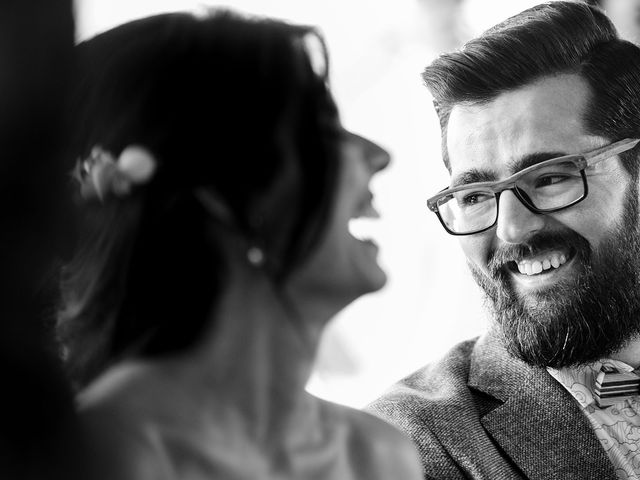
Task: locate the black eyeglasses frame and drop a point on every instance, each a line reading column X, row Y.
column 582, row 161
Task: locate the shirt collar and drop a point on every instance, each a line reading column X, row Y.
column 579, row 381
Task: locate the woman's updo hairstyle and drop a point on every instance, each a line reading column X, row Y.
column 235, row 106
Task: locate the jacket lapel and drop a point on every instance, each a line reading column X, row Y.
column 539, row 425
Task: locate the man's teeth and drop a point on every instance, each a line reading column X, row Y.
column 534, row 267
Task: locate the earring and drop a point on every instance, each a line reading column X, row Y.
column 255, row 255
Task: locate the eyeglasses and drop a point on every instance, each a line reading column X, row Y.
column 546, row 187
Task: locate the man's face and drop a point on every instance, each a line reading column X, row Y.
column 556, row 281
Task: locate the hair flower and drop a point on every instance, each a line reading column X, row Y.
column 101, row 174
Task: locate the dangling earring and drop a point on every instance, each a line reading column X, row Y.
column 255, row 256
column 255, row 252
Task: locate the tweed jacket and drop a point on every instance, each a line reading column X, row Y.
column 479, row 413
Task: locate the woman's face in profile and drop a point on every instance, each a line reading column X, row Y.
column 343, row 267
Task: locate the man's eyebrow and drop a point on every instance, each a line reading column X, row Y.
column 533, row 159
column 474, row 175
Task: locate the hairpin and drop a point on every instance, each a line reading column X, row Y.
column 101, row 174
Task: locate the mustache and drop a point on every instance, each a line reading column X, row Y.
column 539, row 242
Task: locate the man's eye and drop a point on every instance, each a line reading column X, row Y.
column 552, row 179
column 474, row 198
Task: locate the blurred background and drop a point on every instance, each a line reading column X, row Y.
column 378, row 50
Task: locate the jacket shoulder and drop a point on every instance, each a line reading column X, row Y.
column 423, row 404
column 437, row 384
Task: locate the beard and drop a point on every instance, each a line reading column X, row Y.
column 577, row 321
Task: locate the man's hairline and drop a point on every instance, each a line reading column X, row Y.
column 444, row 126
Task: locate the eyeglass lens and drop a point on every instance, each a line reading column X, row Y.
column 549, row 187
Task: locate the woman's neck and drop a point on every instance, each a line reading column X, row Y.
column 255, row 359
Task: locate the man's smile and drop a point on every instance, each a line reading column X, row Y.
column 543, row 268
column 541, row 264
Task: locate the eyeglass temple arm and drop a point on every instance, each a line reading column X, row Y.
column 431, row 204
column 609, row 151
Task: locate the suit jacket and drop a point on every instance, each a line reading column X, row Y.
column 480, row 413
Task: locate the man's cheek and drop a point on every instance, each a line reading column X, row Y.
column 476, row 252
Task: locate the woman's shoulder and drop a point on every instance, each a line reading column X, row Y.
column 120, row 422
column 124, row 389
column 382, row 450
column 151, row 423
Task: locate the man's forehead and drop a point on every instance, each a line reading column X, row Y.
column 543, row 117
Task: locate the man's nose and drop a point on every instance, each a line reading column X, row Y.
column 516, row 222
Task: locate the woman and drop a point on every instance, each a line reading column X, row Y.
column 217, row 185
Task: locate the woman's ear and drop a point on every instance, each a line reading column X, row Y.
column 216, row 206
column 229, row 237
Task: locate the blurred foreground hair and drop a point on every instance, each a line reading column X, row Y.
column 238, row 106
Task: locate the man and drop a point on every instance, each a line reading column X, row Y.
column 555, row 245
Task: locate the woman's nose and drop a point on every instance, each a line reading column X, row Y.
column 377, row 157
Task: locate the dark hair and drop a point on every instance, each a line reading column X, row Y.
column 548, row 39
column 234, row 104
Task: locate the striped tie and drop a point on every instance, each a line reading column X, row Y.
column 612, row 386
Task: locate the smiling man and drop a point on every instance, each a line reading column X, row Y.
column 540, row 122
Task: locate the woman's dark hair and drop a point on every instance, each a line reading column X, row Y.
column 238, row 106
column 548, row 39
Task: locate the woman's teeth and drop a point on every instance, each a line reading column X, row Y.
column 363, row 225
column 528, row 267
column 363, row 228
